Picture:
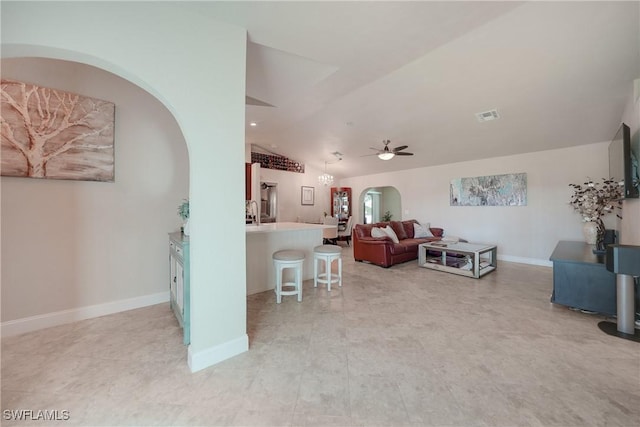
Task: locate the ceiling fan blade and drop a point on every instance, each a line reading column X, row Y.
column 400, row 148
column 367, row 155
column 377, row 149
column 404, row 153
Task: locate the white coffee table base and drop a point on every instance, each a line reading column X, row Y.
column 466, row 259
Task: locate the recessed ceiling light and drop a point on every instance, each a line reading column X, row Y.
column 253, row 124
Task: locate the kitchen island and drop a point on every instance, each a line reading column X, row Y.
column 265, row 239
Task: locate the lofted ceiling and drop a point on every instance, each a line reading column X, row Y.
column 344, row 76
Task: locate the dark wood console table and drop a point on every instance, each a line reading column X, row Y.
column 581, row 279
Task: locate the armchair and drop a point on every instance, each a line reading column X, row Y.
column 330, row 235
column 346, row 233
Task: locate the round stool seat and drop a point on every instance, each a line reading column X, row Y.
column 327, row 254
column 288, row 255
column 288, row 259
column 327, row 249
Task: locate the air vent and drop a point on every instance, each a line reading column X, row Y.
column 486, row 116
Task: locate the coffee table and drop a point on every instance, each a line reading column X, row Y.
column 466, row 259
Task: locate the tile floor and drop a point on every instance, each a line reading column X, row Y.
column 398, row 347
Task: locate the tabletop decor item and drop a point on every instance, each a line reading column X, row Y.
column 593, row 201
column 183, row 212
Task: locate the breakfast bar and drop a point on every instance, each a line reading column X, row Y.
column 265, row 239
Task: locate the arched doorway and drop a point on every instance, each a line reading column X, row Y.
column 97, row 234
column 206, row 95
column 380, row 204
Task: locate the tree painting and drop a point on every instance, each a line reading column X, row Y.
column 49, row 133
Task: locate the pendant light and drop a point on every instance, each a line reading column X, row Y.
column 325, row 179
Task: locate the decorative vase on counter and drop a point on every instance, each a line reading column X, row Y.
column 185, row 228
column 590, row 232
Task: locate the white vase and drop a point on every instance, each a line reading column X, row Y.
column 185, row 227
column 590, row 231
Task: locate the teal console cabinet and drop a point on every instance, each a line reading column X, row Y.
column 179, row 293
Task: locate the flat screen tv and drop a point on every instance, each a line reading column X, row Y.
column 623, row 164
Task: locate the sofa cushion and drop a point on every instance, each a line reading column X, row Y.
column 408, row 228
column 437, row 232
column 398, row 228
column 421, row 231
column 412, row 244
column 391, row 234
column 398, row 248
column 362, row 230
column 378, row 232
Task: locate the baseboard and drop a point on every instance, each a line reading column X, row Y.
column 42, row 321
column 209, row 357
column 524, row 260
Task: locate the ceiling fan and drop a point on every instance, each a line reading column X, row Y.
column 387, row 154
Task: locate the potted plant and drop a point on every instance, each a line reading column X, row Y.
column 594, row 200
column 387, row 216
column 183, row 212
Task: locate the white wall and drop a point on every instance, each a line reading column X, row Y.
column 71, row 244
column 523, row 234
column 290, row 207
column 196, row 67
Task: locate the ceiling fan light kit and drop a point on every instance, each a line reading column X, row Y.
column 388, row 154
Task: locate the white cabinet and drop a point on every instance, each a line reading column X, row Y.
column 179, row 281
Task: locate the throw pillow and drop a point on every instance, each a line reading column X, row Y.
column 391, row 233
column 378, row 232
column 420, row 231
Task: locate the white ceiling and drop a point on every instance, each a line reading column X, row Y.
column 343, row 76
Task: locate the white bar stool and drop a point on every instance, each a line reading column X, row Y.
column 288, row 259
column 328, row 254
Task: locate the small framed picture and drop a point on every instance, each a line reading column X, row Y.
column 307, row 195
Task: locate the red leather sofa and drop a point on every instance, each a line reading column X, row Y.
column 383, row 251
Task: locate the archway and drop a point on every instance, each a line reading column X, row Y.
column 205, row 93
column 82, row 258
column 380, row 203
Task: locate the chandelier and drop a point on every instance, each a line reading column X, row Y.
column 325, row 179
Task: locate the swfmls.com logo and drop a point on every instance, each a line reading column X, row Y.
column 39, row 415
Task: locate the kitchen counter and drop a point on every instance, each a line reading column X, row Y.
column 265, row 239
column 284, row 226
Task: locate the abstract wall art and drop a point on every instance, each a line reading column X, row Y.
column 493, row 190
column 50, row 133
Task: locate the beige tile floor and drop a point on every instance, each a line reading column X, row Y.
column 397, row 347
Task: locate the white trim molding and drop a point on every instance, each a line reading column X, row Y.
column 42, row 321
column 210, row 356
column 524, row 260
